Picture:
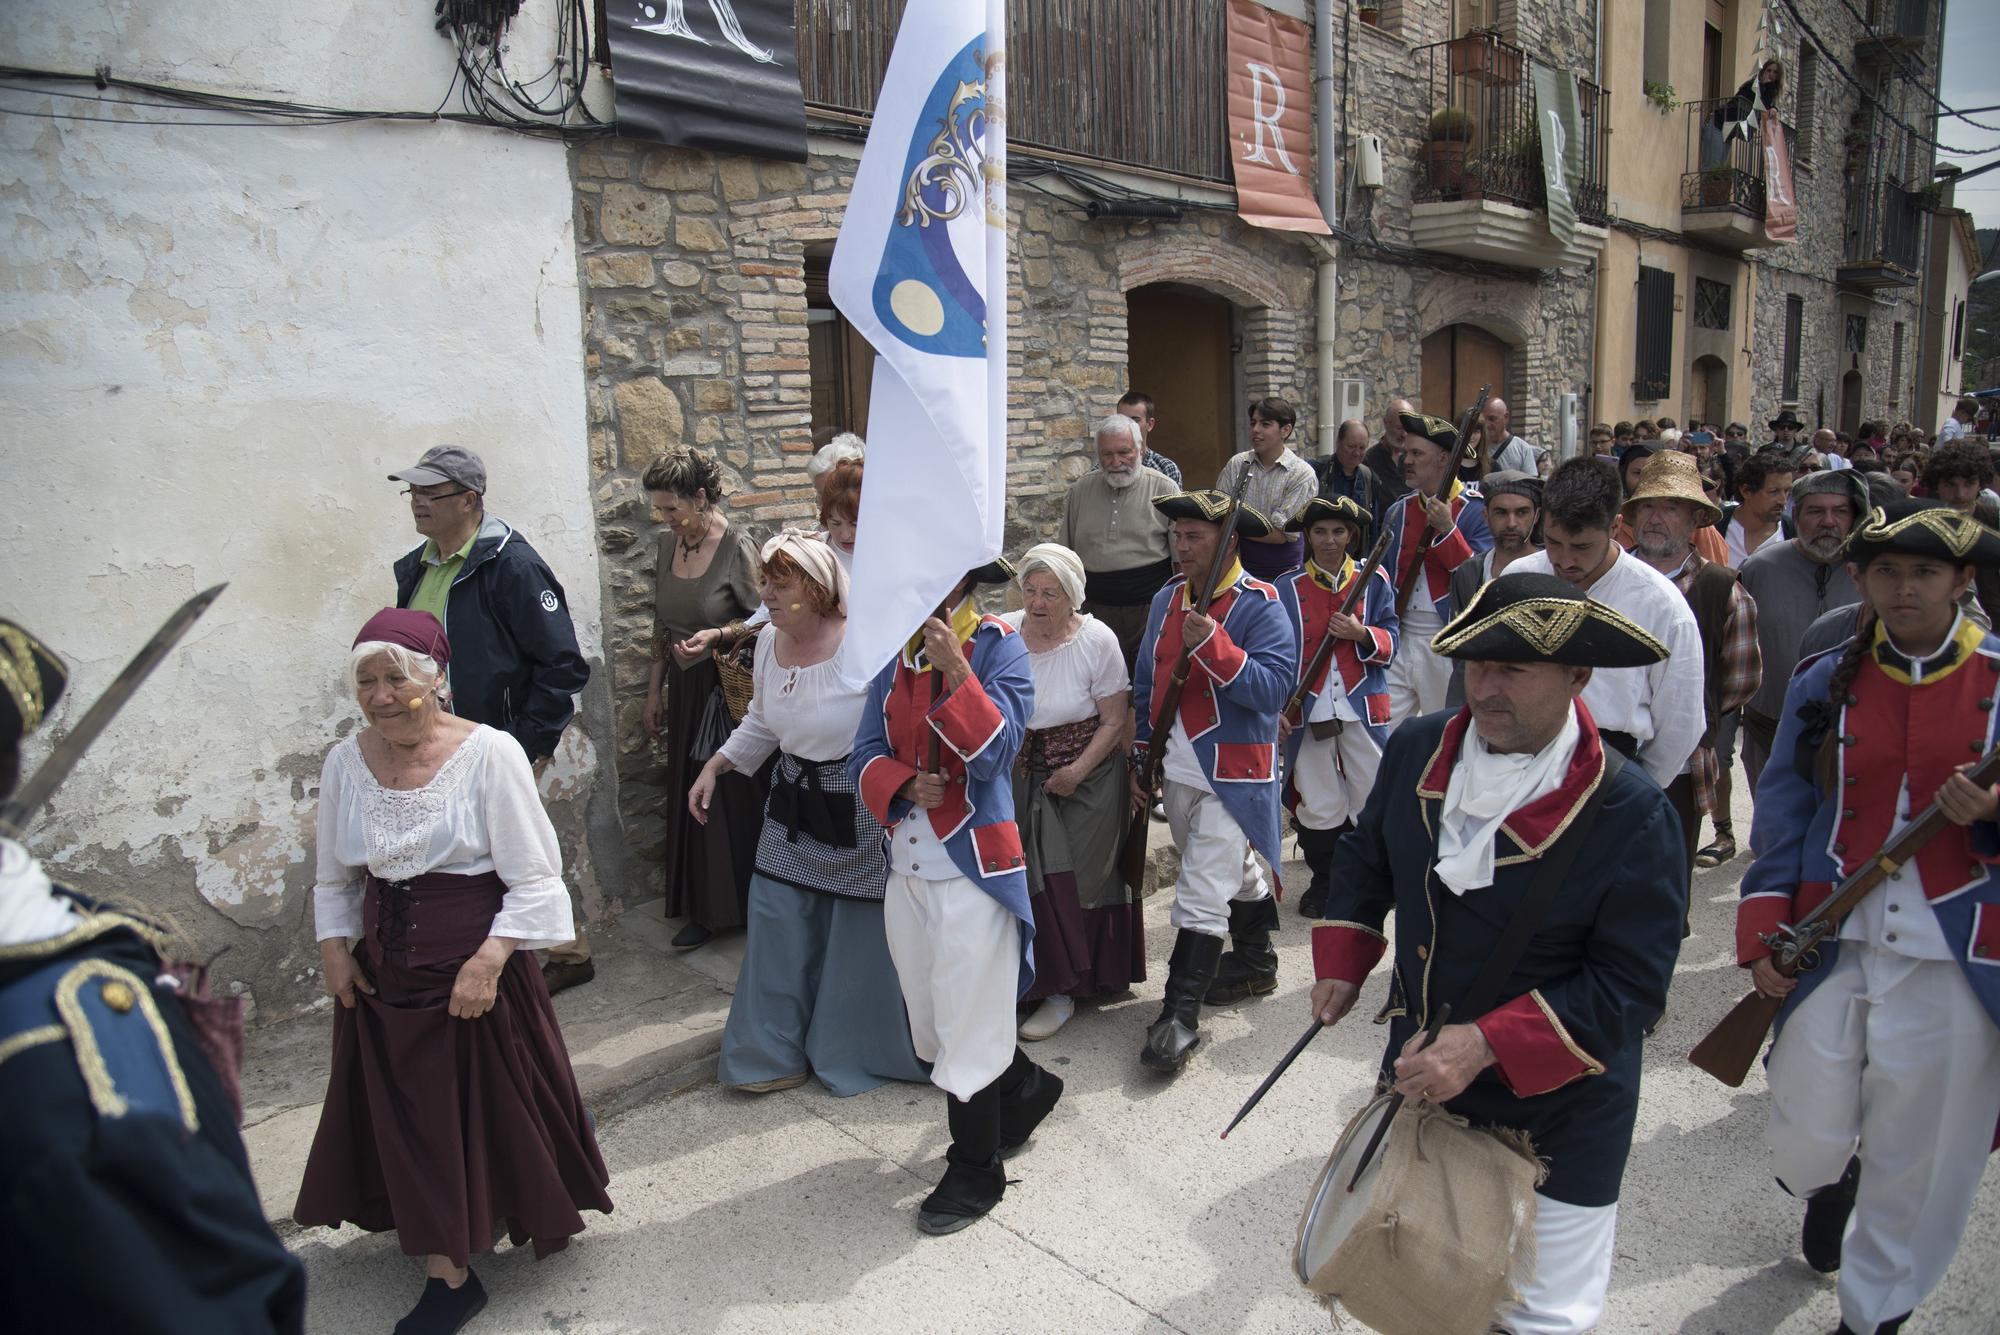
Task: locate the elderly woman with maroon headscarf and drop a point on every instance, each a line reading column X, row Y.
column 817, row 994
column 1069, row 795
column 451, row 1105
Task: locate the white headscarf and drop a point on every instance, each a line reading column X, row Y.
column 30, row 909
column 816, row 556
column 1486, row 788
column 1059, row 561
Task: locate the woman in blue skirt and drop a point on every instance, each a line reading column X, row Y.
column 818, row 993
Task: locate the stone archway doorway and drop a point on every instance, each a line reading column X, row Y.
column 1457, row 360
column 1181, row 348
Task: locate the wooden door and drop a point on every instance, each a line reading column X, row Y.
column 1178, row 351
column 1457, row 360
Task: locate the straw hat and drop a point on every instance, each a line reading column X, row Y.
column 1672, row 476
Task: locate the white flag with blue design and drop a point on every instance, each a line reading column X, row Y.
column 920, row 269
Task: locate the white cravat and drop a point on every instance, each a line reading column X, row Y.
column 30, row 910
column 1486, row 787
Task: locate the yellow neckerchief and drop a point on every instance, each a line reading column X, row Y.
column 1965, row 633
column 964, row 624
column 1331, row 583
column 1228, row 581
column 1457, row 489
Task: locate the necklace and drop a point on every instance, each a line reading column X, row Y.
column 688, row 549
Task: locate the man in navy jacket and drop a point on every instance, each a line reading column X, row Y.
column 515, row 665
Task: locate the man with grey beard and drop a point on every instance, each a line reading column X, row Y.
column 1793, row 583
column 1384, row 457
column 1664, row 511
column 1110, row 522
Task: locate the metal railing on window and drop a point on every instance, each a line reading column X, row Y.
column 1128, row 101
column 1484, row 140
column 1724, row 168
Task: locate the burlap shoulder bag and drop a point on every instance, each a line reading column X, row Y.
column 1439, row 1229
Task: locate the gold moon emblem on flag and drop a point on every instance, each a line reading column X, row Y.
column 917, row 307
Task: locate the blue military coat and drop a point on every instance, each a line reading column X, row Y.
column 980, row 726
column 1411, row 540
column 1311, row 597
column 1894, row 733
column 1568, row 1036
column 1237, row 682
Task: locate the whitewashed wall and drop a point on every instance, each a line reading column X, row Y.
column 214, row 344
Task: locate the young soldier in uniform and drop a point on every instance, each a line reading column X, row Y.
column 1891, row 1044
column 956, row 906
column 1464, row 807
column 129, row 1201
column 1333, row 750
column 1221, row 765
column 1442, row 535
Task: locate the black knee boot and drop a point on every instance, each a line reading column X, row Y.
column 1826, row 1219
column 1250, row 968
column 1027, row 1093
column 1317, row 848
column 973, row 1180
column 1190, row 969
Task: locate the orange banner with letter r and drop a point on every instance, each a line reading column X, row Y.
column 1781, row 206
column 1270, row 119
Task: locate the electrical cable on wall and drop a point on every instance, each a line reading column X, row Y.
column 1827, row 53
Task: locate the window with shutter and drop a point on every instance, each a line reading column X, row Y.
column 1795, row 321
column 1653, row 355
column 1896, row 365
column 1807, row 116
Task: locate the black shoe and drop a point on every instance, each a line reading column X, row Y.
column 967, row 1191
column 690, row 936
column 1029, row 1096
column 443, row 1309
column 1889, row 1327
column 1190, row 969
column 562, row 974
column 1251, row 968
column 1316, row 847
column 1826, row 1220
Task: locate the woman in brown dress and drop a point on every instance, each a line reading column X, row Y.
column 707, row 578
column 450, row 1106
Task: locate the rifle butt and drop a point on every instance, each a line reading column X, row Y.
column 1731, row 1048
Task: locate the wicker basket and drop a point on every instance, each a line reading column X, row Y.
column 736, row 668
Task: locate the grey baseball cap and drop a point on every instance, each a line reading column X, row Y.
column 446, row 463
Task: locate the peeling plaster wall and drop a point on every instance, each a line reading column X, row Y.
column 214, row 344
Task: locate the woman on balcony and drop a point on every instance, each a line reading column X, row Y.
column 1735, row 117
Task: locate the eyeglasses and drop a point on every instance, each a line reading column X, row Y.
column 411, row 493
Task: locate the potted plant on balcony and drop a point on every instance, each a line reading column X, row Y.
column 1444, row 155
column 1718, row 186
column 1481, row 55
column 1369, row 14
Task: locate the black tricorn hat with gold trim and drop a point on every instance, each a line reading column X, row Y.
column 1924, row 528
column 31, row 681
column 1343, row 508
column 1212, row 506
column 997, row 571
column 1526, row 618
column 1433, row 429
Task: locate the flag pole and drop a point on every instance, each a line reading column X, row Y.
column 995, row 168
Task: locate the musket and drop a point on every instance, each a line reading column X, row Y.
column 35, row 793
column 1731, row 1048
column 1132, row 854
column 1406, row 584
column 1357, row 594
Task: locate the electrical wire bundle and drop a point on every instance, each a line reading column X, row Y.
column 478, row 29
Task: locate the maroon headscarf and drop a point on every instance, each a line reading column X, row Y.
column 416, row 631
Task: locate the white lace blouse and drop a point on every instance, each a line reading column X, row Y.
column 806, row 712
column 479, row 813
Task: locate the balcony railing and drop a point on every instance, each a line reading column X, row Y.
column 1899, row 23
column 1720, row 173
column 1484, row 140
column 1128, row 101
column 1884, row 227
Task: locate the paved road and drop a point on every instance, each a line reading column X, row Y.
column 794, row 1212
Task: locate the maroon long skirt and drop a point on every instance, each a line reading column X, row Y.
column 445, row 1129
column 1089, row 930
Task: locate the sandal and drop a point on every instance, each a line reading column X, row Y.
column 1717, row 853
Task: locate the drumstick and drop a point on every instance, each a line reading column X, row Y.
column 1395, row 1104
column 1272, row 1078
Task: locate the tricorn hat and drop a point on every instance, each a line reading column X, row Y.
column 31, row 681
column 1212, row 506
column 1924, row 528
column 1343, row 508
column 997, row 571
column 1433, row 429
column 1672, row 476
column 1786, row 418
column 1526, row 618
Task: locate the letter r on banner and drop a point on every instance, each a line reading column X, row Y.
column 1261, row 77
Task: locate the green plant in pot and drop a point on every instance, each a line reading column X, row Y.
column 1718, row 185
column 1444, row 155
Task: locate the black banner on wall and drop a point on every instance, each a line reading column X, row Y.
column 718, row 75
